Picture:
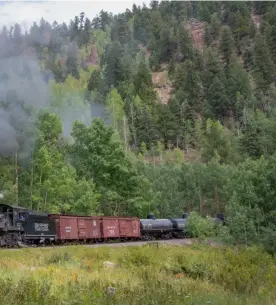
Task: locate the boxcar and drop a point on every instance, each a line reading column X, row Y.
column 77, row 227
column 120, row 227
column 129, row 227
column 89, row 227
column 110, row 227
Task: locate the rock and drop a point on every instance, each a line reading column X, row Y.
column 109, row 264
column 111, row 290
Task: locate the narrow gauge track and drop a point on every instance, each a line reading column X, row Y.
column 173, row 241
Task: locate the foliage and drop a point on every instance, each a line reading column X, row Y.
column 200, row 227
column 82, row 129
column 147, row 274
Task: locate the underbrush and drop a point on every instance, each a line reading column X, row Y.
column 197, row 274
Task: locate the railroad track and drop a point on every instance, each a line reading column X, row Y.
column 174, row 241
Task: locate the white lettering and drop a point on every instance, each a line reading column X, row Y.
column 41, row 227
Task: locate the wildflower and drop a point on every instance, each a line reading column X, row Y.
column 179, row 275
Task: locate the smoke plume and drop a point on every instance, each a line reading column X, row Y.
column 23, row 92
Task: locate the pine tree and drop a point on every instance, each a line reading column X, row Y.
column 216, row 99
column 72, row 60
column 143, row 84
column 263, row 70
column 185, row 43
column 226, row 43
column 215, row 26
column 271, row 39
column 207, row 36
column 212, row 68
column 238, row 86
column 112, row 59
column 188, row 81
column 146, row 127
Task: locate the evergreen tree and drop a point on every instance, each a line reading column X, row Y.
column 185, row 43
column 143, row 84
column 239, row 87
column 188, row 82
column 216, row 99
column 226, row 43
column 72, row 60
column 113, row 72
column 263, row 66
column 146, row 127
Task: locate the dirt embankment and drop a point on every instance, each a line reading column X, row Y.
column 162, row 85
column 256, row 19
column 196, row 29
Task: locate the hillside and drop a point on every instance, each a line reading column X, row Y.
column 163, row 108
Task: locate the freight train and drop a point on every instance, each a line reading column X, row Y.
column 22, row 227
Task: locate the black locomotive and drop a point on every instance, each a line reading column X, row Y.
column 19, row 225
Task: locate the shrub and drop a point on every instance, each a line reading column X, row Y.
column 199, row 226
column 58, row 258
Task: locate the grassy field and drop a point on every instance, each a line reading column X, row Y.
column 151, row 274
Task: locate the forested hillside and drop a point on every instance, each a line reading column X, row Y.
column 162, row 109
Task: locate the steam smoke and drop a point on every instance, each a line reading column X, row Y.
column 8, row 142
column 23, row 92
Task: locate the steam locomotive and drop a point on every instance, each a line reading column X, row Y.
column 22, row 227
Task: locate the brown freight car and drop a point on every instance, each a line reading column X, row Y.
column 120, row 227
column 77, row 227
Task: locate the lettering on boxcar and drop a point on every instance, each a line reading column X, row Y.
column 111, row 232
column 41, row 227
column 67, row 229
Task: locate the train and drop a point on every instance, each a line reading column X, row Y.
column 22, row 227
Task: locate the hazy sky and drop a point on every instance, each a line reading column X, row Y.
column 26, row 12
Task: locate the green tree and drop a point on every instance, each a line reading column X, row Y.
column 226, row 43
column 263, row 70
column 72, row 60
column 99, row 156
column 239, row 89
column 115, row 105
column 215, row 144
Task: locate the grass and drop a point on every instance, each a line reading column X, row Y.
column 196, row 274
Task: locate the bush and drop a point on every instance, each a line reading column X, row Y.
column 200, row 227
column 58, row 258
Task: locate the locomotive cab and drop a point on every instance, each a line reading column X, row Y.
column 10, row 218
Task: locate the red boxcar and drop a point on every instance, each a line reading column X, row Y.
column 120, row 227
column 110, row 227
column 77, row 227
column 89, row 227
column 129, row 227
